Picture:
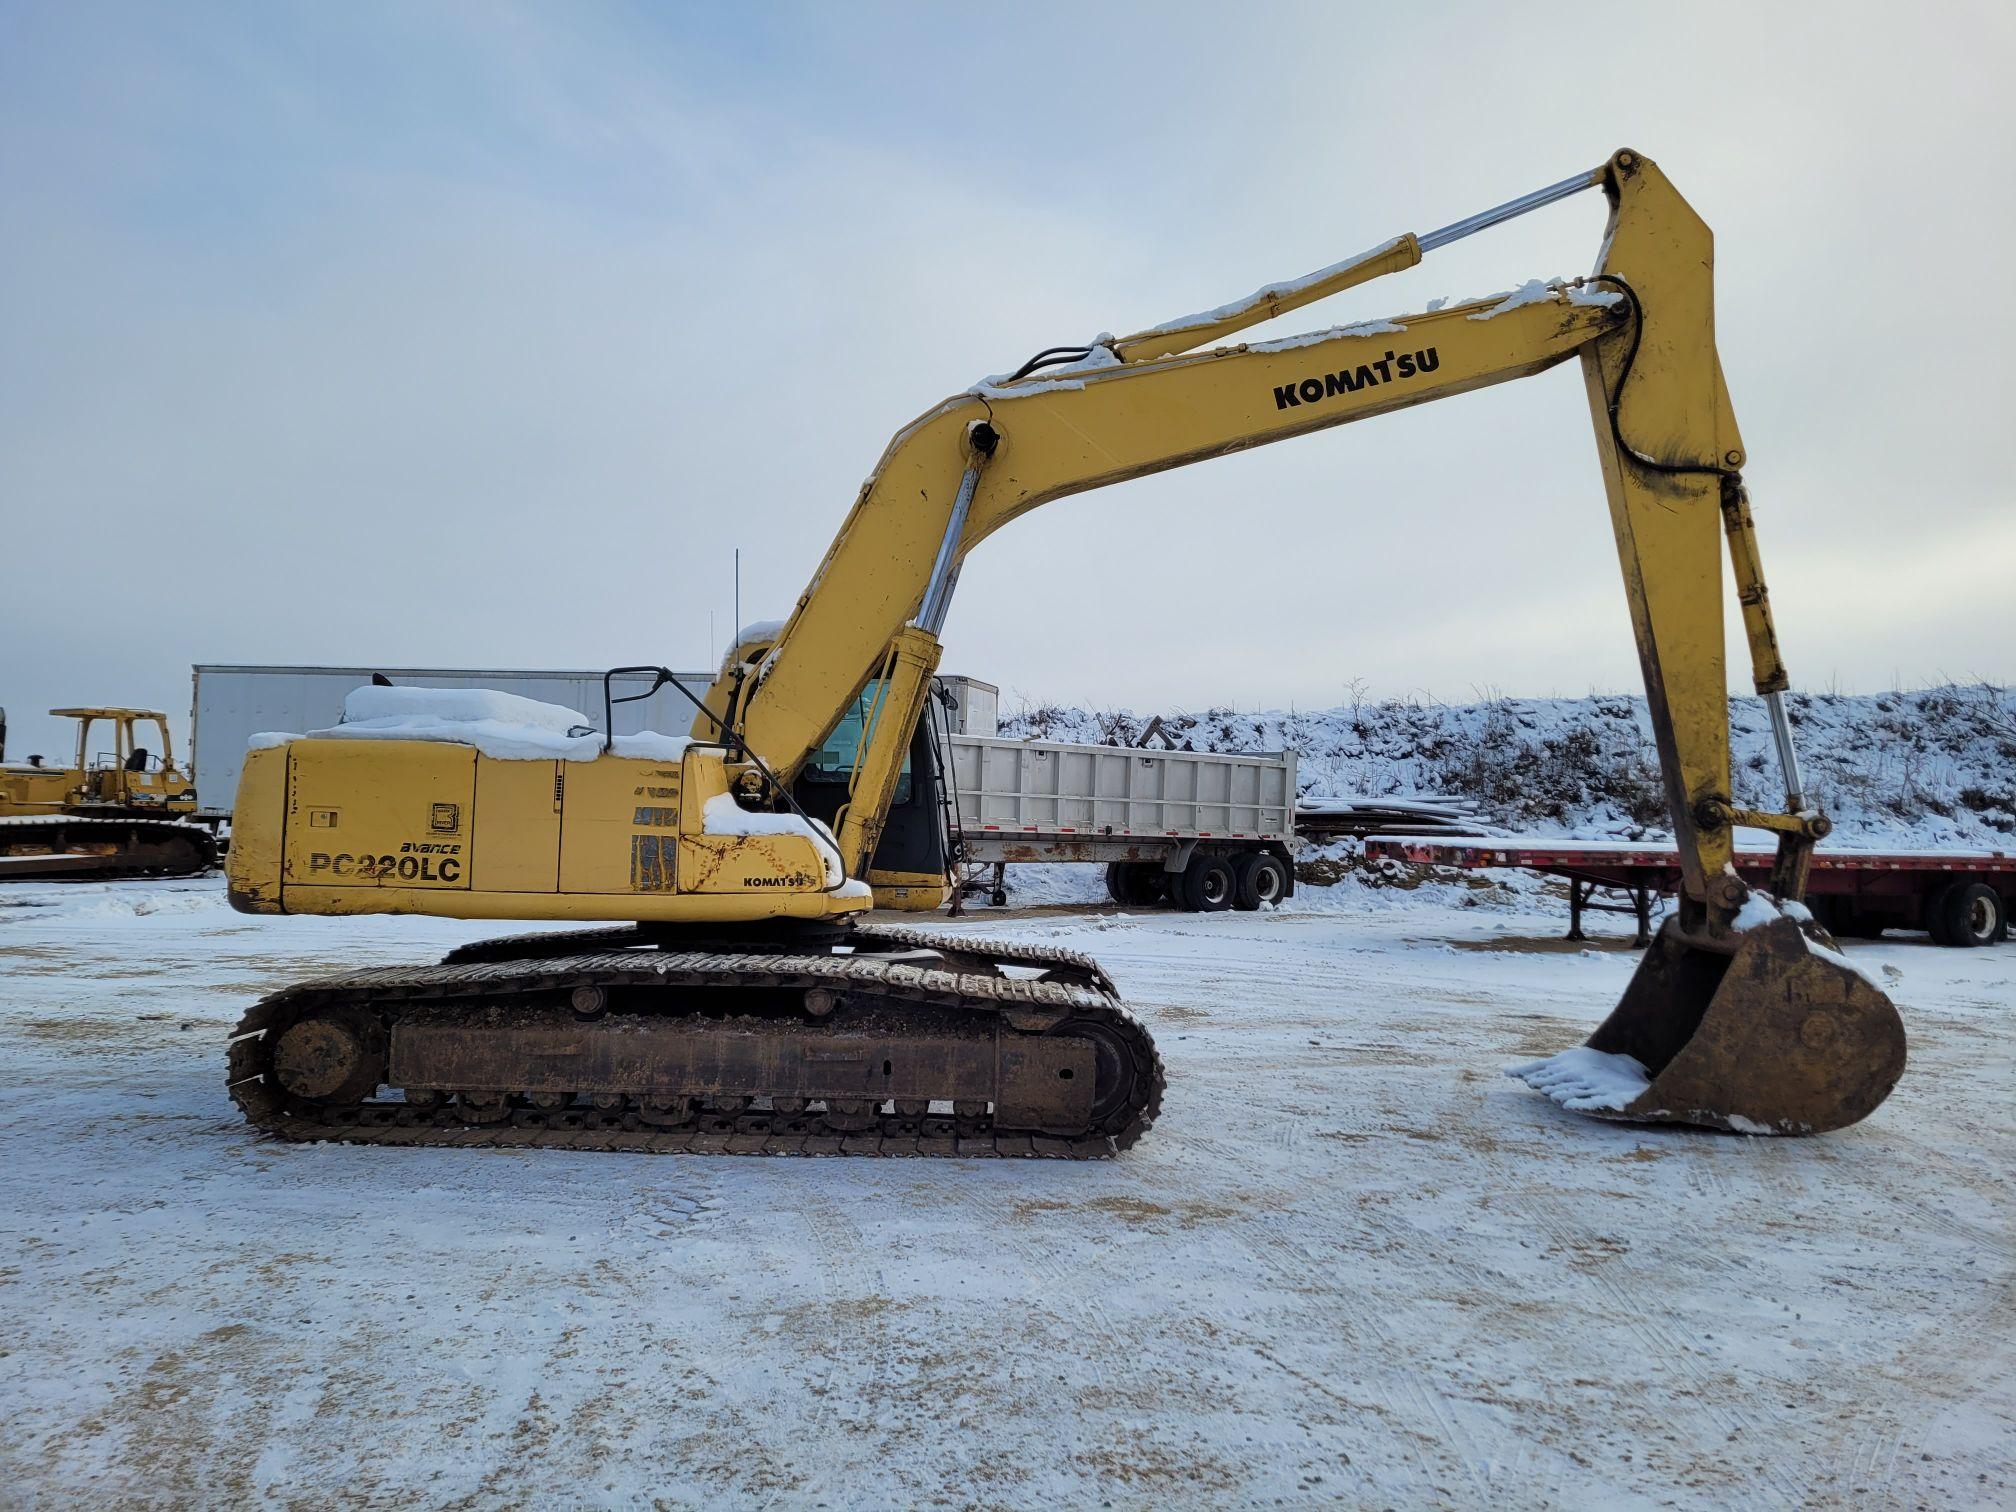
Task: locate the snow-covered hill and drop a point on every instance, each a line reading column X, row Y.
column 1935, row 766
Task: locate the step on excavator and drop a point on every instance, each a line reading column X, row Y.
column 117, row 813
column 749, row 1009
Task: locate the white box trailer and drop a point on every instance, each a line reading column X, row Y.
column 1171, row 826
column 976, row 706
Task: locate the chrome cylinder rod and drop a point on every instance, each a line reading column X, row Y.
column 1485, row 219
column 1788, row 754
column 982, row 438
column 944, row 574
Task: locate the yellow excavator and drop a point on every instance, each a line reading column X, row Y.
column 122, row 812
column 748, row 1009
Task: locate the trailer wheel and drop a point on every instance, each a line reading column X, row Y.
column 1973, row 914
column 1844, row 917
column 1936, row 913
column 1261, row 879
column 1207, row 885
column 1134, row 884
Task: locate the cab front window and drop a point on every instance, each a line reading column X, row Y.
column 833, row 763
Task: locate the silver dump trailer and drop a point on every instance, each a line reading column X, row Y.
column 1201, row 830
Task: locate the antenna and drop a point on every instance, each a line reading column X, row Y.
column 738, row 590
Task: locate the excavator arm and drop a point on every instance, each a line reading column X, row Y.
column 1720, row 1003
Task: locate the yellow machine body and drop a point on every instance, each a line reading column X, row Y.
column 909, row 892
column 393, row 826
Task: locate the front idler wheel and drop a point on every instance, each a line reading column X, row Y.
column 330, row 1058
column 1116, row 1076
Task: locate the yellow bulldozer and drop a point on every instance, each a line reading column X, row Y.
column 117, row 812
column 751, row 1009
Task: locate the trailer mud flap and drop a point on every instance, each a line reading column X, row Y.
column 1780, row 1037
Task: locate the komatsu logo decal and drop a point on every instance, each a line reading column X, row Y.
column 1391, row 368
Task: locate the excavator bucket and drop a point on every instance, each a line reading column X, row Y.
column 1781, row 1037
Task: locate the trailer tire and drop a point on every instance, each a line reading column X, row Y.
column 1206, row 886
column 1260, row 879
column 1973, row 915
column 1844, row 917
column 1134, row 884
column 1935, row 913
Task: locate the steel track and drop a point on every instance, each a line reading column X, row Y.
column 149, row 847
column 502, row 972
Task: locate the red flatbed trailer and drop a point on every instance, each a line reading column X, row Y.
column 1961, row 897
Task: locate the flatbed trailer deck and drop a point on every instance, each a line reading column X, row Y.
column 1961, row 897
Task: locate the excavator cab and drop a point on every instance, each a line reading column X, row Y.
column 909, row 863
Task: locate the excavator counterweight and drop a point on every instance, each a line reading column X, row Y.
column 749, row 1009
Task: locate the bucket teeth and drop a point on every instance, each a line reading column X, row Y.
column 1784, row 1036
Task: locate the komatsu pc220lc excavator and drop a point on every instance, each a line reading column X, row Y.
column 748, row 1011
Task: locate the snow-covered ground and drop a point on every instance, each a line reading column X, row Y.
column 1353, row 1264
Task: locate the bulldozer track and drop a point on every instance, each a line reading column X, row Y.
column 147, row 846
column 78, row 821
column 658, row 985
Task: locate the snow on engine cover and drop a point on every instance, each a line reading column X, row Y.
column 497, row 806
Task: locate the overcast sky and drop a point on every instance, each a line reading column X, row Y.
column 482, row 335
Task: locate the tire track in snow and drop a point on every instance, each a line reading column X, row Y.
column 1633, row 1312
column 1059, row 1281
column 1956, row 1359
column 1398, row 1388
column 1951, row 1370
column 1500, row 1175
column 844, row 1339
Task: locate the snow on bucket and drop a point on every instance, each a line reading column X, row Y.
column 1780, row 1035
